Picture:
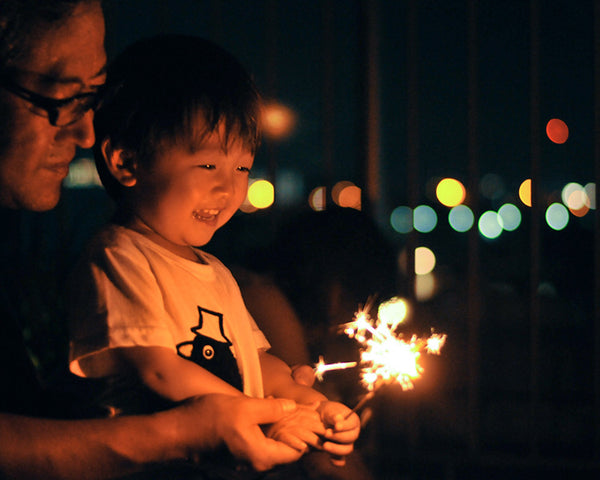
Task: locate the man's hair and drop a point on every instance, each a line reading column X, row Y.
column 21, row 19
column 174, row 90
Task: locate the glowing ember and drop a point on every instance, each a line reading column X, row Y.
column 385, row 356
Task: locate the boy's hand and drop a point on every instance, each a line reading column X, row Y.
column 300, row 429
column 341, row 432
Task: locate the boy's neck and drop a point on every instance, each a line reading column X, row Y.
column 185, row 251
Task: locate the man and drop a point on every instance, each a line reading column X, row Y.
column 52, row 63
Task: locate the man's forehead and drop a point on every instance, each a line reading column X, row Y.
column 73, row 52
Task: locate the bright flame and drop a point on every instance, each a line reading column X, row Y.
column 385, row 356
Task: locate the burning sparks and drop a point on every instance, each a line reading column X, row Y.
column 385, row 356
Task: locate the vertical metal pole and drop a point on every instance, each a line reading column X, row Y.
column 328, row 90
column 271, row 40
column 597, row 228
column 536, row 210
column 412, row 134
column 473, row 282
column 372, row 108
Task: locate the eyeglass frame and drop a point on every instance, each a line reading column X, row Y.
column 53, row 106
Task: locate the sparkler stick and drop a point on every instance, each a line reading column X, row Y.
column 368, row 396
column 321, row 367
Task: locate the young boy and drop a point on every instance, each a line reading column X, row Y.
column 176, row 138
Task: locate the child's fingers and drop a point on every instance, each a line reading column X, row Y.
column 337, row 460
column 338, row 449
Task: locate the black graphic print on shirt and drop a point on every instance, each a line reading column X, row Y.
column 209, row 352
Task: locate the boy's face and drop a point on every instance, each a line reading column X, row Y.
column 186, row 196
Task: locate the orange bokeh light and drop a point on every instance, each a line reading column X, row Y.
column 557, row 131
column 278, row 121
column 350, row 197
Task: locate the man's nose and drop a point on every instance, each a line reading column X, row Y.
column 82, row 131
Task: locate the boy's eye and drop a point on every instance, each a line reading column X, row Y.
column 207, row 166
column 245, row 169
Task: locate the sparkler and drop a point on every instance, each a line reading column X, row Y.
column 386, row 357
column 321, row 367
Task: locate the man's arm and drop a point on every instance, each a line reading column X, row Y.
column 104, row 448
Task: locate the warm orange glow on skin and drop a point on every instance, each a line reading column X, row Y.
column 557, row 131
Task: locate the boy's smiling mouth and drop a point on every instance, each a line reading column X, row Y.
column 206, row 215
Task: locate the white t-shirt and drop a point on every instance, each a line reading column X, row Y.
column 129, row 291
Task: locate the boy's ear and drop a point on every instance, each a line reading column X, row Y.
column 120, row 163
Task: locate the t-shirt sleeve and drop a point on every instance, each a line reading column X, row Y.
column 115, row 302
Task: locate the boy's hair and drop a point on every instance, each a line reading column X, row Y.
column 174, row 90
column 20, row 20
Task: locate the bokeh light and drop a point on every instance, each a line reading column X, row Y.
column 557, row 130
column 338, row 188
column 317, row 199
column 557, row 216
column 425, row 287
column 490, row 225
column 278, row 121
column 393, row 311
column 492, row 186
column 450, row 192
column 511, row 216
column 261, row 194
column 424, row 260
column 350, row 197
column 424, row 219
column 525, row 192
column 461, row 218
column 401, row 219
column 82, row 174
column 590, row 191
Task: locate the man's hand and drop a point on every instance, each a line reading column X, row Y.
column 235, row 421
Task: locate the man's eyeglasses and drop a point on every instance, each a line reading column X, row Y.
column 60, row 112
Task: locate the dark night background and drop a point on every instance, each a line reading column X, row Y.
column 517, row 384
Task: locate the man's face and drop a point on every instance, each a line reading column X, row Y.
column 67, row 60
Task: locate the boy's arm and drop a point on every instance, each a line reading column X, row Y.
column 278, row 381
column 169, row 375
column 32, row 448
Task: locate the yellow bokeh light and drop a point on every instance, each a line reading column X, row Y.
column 450, row 192
column 525, row 192
column 278, row 121
column 261, row 194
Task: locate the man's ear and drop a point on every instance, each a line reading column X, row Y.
column 120, row 163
